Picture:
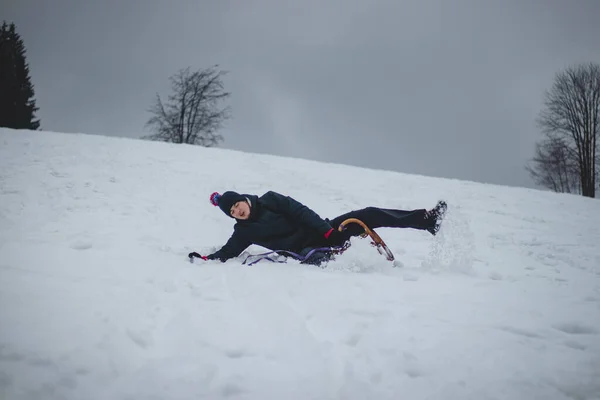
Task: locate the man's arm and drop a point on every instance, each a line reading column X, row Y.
column 293, row 208
column 233, row 248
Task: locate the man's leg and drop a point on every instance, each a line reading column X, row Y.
column 381, row 217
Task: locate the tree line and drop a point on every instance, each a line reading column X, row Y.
column 566, row 159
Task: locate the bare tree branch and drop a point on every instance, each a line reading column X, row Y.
column 554, row 167
column 192, row 115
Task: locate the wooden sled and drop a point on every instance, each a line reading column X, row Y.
column 377, row 241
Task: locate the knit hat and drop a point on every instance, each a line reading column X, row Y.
column 226, row 200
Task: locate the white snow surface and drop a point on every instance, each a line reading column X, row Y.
column 99, row 301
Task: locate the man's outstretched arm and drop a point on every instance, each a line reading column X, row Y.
column 233, row 248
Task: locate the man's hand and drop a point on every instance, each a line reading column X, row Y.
column 335, row 237
column 194, row 254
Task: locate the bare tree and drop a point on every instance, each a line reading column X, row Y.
column 554, row 166
column 191, row 114
column 572, row 118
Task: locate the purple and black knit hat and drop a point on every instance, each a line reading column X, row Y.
column 226, row 200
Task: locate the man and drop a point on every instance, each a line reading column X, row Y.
column 279, row 222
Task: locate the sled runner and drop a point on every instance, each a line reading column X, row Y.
column 314, row 256
column 377, row 241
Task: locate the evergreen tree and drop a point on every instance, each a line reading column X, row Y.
column 17, row 105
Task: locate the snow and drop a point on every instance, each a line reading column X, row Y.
column 99, row 301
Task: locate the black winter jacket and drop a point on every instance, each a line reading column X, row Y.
column 276, row 222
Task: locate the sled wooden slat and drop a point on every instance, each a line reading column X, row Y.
column 377, row 240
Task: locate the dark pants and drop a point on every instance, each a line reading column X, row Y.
column 374, row 218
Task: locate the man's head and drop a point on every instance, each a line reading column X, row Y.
column 232, row 204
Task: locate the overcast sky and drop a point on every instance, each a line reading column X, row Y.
column 447, row 88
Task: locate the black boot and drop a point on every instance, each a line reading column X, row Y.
column 435, row 216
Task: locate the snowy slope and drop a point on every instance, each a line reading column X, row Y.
column 98, row 300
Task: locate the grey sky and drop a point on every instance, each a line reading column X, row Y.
column 434, row 87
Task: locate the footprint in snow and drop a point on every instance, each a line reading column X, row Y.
column 141, row 338
column 518, row 331
column 412, row 369
column 574, row 328
column 495, row 276
column 81, row 245
column 353, row 340
column 231, row 389
column 236, row 353
column 574, row 345
column 413, row 372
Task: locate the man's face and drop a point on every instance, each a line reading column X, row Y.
column 240, row 210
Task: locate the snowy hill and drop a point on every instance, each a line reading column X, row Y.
column 98, row 300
